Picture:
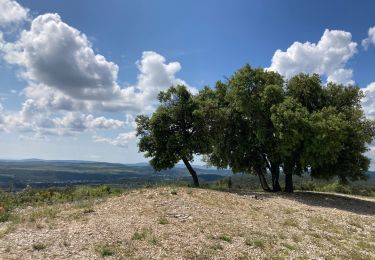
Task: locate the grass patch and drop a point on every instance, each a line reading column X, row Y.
column 140, row 235
column 290, row 247
column 49, row 213
column 337, row 187
column 105, row 250
column 290, row 222
column 88, row 210
column 153, row 240
column 39, row 247
column 217, row 246
column 365, row 245
column 225, row 238
column 277, row 257
column 163, row 221
column 257, row 243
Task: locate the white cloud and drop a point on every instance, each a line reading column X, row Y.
column 370, row 39
column 64, row 73
column 54, row 54
column 368, row 102
column 78, row 122
column 327, row 57
column 121, row 140
column 32, row 119
column 11, row 12
column 68, row 84
column 342, row 76
column 156, row 75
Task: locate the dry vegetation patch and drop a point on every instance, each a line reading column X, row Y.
column 188, row 223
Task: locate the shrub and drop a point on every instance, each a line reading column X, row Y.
column 39, row 246
column 225, row 238
column 105, row 250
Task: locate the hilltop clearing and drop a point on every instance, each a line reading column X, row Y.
column 190, row 223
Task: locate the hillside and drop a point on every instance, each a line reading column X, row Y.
column 188, row 223
column 43, row 173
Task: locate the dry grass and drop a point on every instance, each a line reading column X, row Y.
column 187, row 223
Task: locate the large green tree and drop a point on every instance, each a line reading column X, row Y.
column 322, row 130
column 242, row 131
column 175, row 131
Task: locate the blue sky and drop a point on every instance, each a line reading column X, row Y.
column 53, row 108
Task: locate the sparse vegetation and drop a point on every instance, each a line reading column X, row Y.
column 226, row 225
column 105, row 250
column 39, row 246
column 163, row 221
column 257, row 242
column 140, row 234
column 225, row 238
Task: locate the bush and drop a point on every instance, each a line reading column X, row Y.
column 30, row 196
column 337, row 187
column 105, row 250
column 39, row 246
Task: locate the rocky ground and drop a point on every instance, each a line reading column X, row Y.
column 188, row 223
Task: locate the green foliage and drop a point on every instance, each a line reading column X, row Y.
column 29, row 196
column 105, row 250
column 225, row 238
column 257, row 243
column 163, row 221
column 338, row 187
column 175, row 131
column 39, row 246
column 241, row 130
column 256, row 122
column 141, row 234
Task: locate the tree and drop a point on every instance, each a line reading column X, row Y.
column 242, row 131
column 353, row 134
column 291, row 120
column 322, row 130
column 176, row 131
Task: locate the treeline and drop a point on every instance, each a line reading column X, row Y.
column 256, row 122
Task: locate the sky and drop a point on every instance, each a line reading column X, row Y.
column 75, row 74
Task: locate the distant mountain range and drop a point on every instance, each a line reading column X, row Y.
column 44, row 173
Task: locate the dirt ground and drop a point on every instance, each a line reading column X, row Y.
column 189, row 223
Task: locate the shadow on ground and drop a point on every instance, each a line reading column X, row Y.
column 327, row 200
column 337, row 201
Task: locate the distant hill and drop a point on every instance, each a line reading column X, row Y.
column 44, row 173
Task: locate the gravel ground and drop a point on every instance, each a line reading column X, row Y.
column 188, row 223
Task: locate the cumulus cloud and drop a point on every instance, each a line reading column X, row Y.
column 68, row 82
column 327, row 57
column 370, row 39
column 121, row 140
column 12, row 12
column 64, row 73
column 156, row 75
column 54, row 54
column 368, row 102
column 31, row 119
column 78, row 122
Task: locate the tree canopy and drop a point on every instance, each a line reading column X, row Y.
column 256, row 122
column 176, row 131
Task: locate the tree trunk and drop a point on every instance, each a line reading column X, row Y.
column 192, row 172
column 288, row 179
column 262, row 180
column 275, row 172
